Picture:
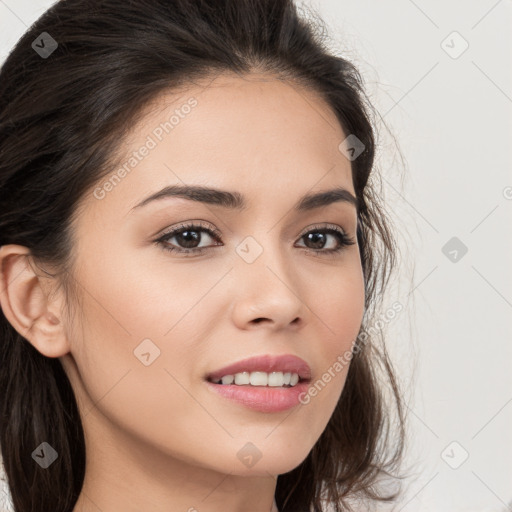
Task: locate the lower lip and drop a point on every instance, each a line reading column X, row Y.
column 262, row 398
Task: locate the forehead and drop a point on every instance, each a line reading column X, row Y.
column 256, row 134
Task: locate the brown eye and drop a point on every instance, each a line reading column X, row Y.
column 188, row 237
column 317, row 238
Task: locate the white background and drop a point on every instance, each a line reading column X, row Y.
column 445, row 176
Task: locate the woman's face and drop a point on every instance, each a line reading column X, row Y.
column 154, row 323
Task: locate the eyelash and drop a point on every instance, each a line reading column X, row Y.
column 343, row 238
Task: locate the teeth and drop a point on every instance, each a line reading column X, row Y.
column 227, row 379
column 273, row 379
column 242, row 378
column 257, row 379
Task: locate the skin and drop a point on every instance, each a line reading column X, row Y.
column 157, row 439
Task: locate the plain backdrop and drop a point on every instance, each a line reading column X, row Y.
column 439, row 74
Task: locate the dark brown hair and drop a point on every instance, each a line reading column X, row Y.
column 61, row 119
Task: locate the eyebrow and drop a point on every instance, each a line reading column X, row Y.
column 236, row 201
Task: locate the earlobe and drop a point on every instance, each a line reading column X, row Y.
column 25, row 302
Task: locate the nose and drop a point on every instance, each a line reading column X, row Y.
column 268, row 289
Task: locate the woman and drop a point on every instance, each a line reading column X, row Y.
column 189, row 247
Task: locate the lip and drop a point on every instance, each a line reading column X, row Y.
column 265, row 363
column 261, row 398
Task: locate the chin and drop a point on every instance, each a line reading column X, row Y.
column 275, row 462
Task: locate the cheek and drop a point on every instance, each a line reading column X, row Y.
column 134, row 296
column 339, row 306
column 136, row 377
column 136, row 345
column 339, row 310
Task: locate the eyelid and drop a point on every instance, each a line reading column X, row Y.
column 322, row 226
column 218, row 234
column 186, row 225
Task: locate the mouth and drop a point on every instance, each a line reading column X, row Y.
column 260, row 391
column 260, row 379
column 263, row 371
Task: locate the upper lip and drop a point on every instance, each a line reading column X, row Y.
column 265, row 363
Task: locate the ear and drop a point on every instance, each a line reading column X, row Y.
column 24, row 298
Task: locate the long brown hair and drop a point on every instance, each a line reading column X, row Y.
column 62, row 115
